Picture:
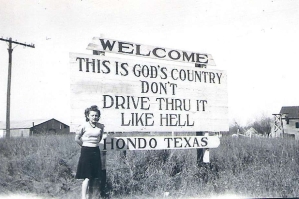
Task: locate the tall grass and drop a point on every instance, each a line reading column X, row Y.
column 259, row 167
column 42, row 165
column 256, row 167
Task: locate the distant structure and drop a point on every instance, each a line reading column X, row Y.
column 251, row 132
column 286, row 123
column 34, row 127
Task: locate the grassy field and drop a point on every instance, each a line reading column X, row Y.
column 257, row 167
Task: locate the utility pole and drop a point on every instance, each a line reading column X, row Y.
column 10, row 49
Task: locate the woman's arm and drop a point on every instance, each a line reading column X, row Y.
column 79, row 133
column 78, row 140
column 102, row 132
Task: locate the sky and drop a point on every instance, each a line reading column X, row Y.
column 255, row 41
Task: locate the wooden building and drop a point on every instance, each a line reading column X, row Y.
column 251, row 132
column 286, row 123
column 34, row 127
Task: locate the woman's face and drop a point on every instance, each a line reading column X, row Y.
column 93, row 116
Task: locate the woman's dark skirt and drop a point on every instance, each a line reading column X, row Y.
column 89, row 165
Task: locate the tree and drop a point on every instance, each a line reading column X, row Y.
column 235, row 128
column 262, row 125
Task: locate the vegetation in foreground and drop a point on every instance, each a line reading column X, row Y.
column 256, row 167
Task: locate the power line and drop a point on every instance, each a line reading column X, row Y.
column 10, row 49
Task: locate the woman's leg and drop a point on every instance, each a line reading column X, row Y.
column 85, row 184
column 90, row 188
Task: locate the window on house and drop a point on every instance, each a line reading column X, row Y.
column 297, row 125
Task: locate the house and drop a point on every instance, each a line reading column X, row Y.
column 27, row 128
column 286, row 123
column 251, row 132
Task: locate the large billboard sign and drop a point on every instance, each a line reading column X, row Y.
column 146, row 51
column 139, row 96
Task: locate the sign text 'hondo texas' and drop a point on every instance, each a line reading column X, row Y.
column 138, row 96
column 129, row 48
column 159, row 142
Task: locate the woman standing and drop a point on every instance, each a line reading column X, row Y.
column 88, row 137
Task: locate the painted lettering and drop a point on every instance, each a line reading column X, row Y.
column 137, row 119
column 175, row 120
column 126, row 102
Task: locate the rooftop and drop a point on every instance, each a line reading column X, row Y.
column 24, row 124
column 292, row 111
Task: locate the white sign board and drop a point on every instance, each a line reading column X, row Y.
column 158, row 143
column 129, row 48
column 137, row 96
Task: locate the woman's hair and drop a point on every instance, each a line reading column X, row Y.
column 92, row 108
